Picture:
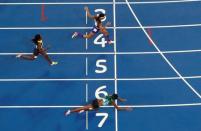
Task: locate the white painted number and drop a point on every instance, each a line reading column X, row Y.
column 100, row 92
column 101, row 66
column 100, row 40
column 105, row 116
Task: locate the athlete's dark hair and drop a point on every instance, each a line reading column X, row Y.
column 95, row 104
column 115, row 96
column 101, row 15
column 36, row 38
column 98, row 18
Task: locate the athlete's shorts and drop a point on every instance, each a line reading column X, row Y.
column 36, row 52
column 95, row 29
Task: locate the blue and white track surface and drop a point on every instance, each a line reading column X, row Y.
column 154, row 62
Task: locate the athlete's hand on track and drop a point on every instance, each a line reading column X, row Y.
column 128, row 108
column 108, row 24
column 123, row 100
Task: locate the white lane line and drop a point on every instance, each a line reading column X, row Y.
column 87, row 120
column 86, row 43
column 87, row 93
column 86, row 70
column 87, row 117
column 161, row 106
column 109, row 53
column 134, row 106
column 104, row 79
column 118, row 27
column 86, row 18
column 84, row 79
column 98, row 3
column 163, row 56
column 115, row 63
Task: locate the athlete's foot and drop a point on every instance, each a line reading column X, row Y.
column 54, row 63
column 109, row 42
column 75, row 34
column 18, row 56
column 67, row 113
column 81, row 111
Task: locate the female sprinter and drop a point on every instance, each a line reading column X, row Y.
column 108, row 100
column 37, row 40
column 97, row 27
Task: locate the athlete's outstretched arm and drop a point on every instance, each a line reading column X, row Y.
column 121, row 99
column 108, row 24
column 121, row 108
column 85, row 108
column 88, row 12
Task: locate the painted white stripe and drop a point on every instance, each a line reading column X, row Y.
column 162, row 55
column 161, row 26
column 23, row 80
column 110, row 53
column 86, row 70
column 86, row 18
column 134, row 106
column 115, row 63
column 162, row 2
column 43, row 28
column 87, row 93
column 87, row 117
column 98, row 3
column 86, row 43
column 104, row 79
column 118, row 27
column 87, row 120
column 162, row 106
